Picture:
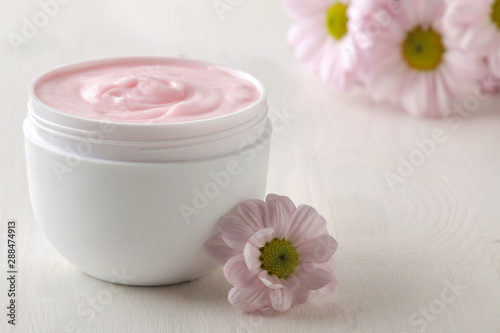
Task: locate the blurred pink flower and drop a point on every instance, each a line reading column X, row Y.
column 322, row 40
column 490, row 84
column 476, row 25
column 274, row 254
column 413, row 62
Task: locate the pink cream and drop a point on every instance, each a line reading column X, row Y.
column 147, row 90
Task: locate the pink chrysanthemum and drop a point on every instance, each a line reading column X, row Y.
column 476, row 24
column 322, row 40
column 274, row 254
column 414, row 62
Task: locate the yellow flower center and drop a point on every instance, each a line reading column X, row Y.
column 495, row 13
column 336, row 20
column 423, row 49
column 278, row 257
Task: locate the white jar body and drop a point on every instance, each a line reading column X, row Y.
column 139, row 223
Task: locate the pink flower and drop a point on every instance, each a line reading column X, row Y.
column 274, row 254
column 476, row 25
column 322, row 40
column 415, row 63
column 490, row 84
column 368, row 17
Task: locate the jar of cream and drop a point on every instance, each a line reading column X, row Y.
column 132, row 161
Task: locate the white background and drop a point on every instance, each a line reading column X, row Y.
column 400, row 250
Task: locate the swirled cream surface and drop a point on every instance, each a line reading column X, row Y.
column 147, row 90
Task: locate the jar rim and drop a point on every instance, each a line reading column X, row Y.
column 261, row 87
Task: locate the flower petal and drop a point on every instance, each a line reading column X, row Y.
column 330, row 288
column 260, row 237
column 270, row 281
column 278, row 216
column 286, row 200
column 317, row 250
column 253, row 212
column 250, row 300
column 229, row 219
column 494, row 57
column 252, row 254
column 415, row 99
column 238, row 274
column 442, row 98
column 314, row 277
column 308, row 38
column 306, row 224
column 236, row 235
column 328, row 63
column 384, row 77
column 218, row 250
column 281, row 299
column 299, row 289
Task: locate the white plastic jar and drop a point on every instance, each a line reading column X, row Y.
column 138, row 200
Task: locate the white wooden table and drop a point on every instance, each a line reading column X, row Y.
column 423, row 256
